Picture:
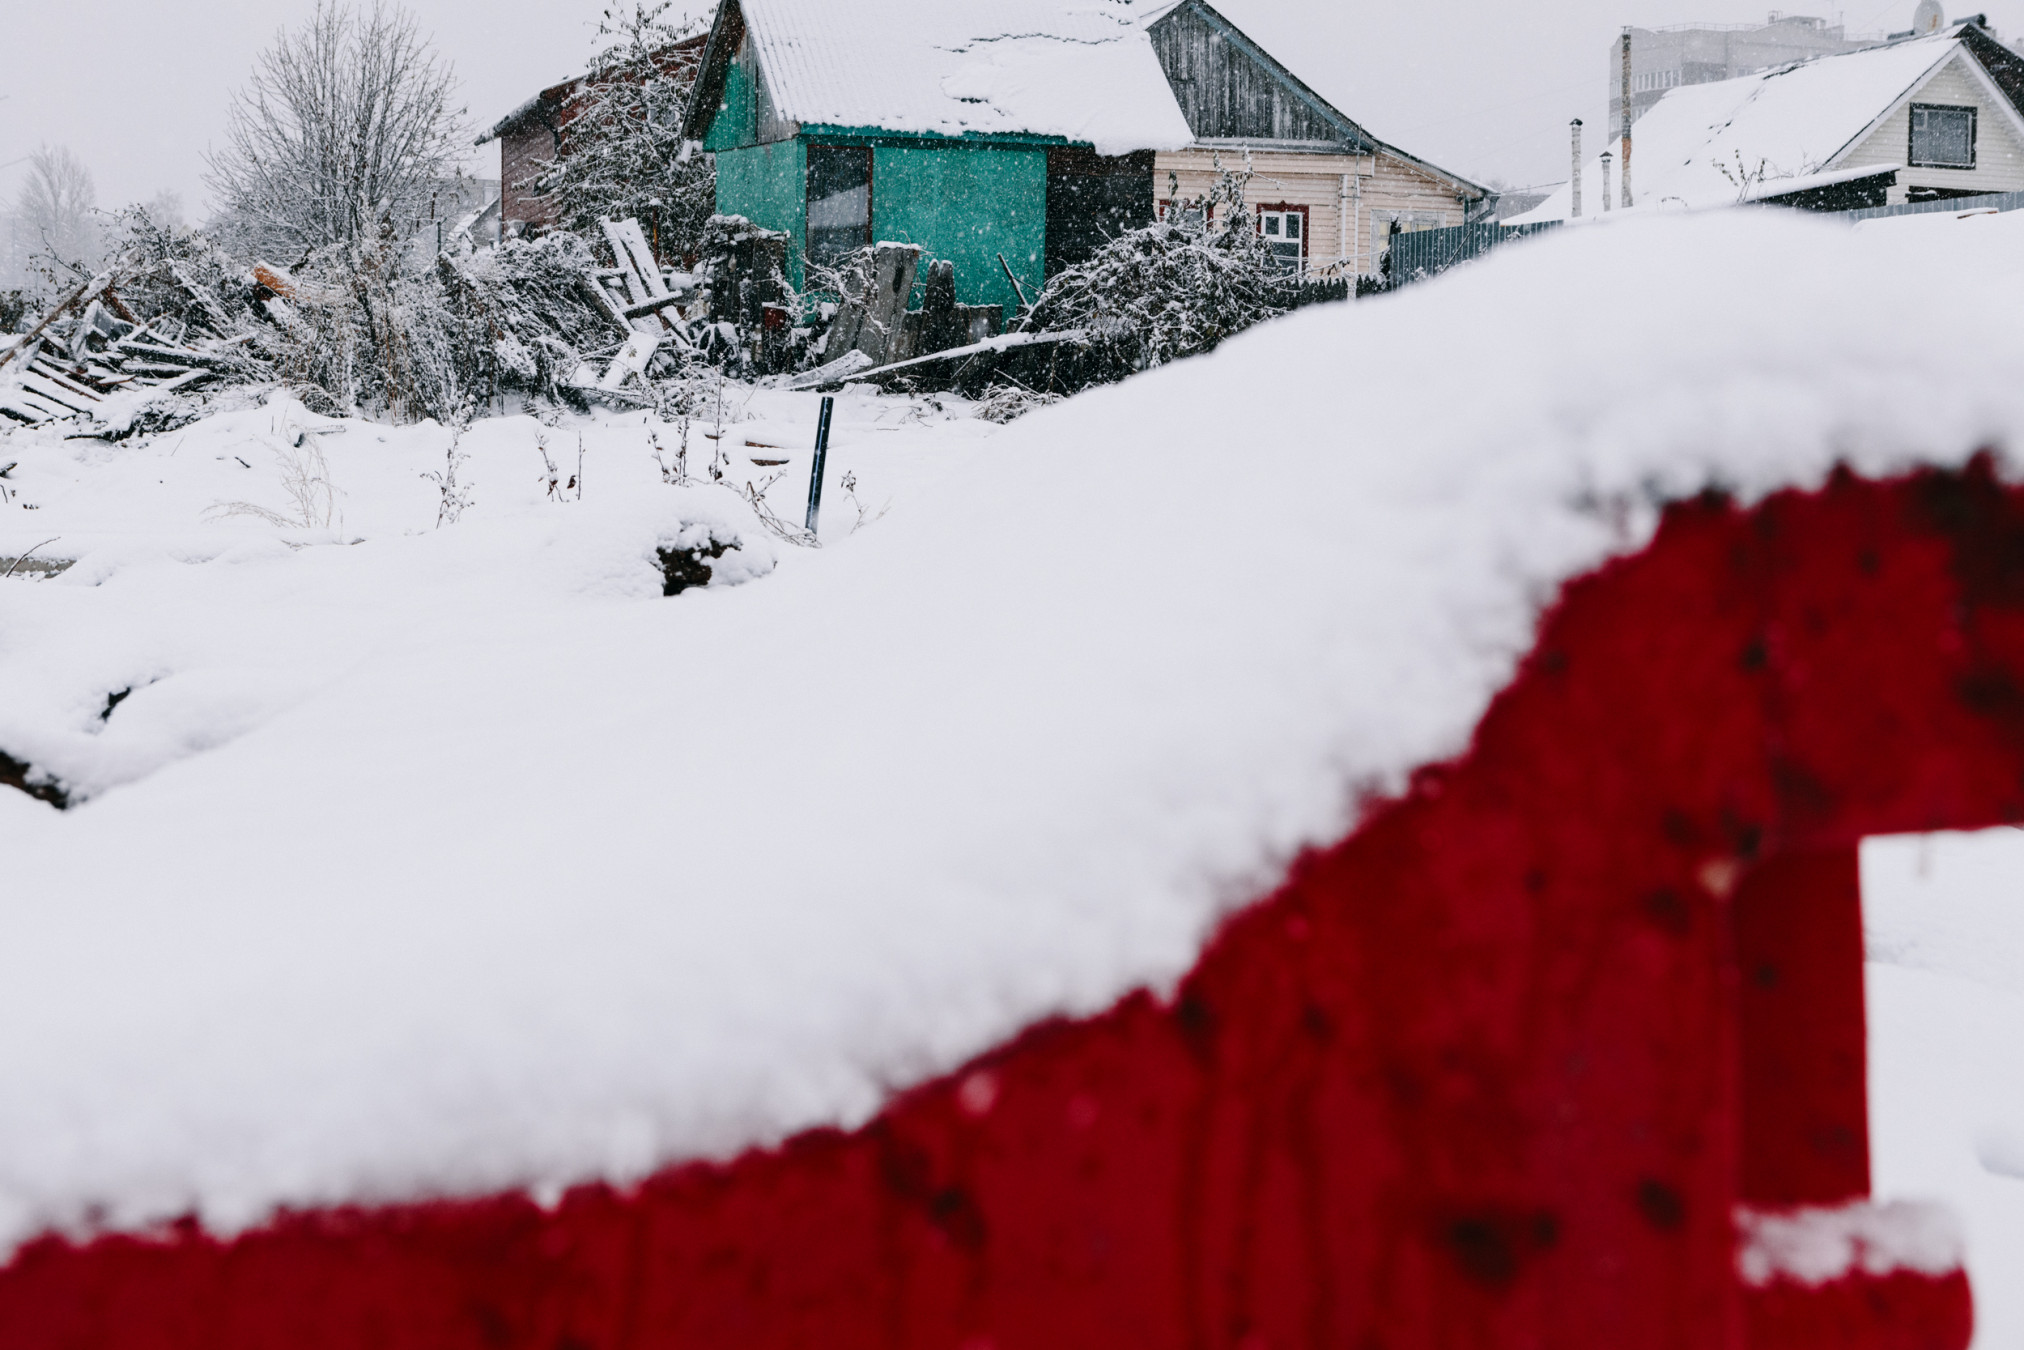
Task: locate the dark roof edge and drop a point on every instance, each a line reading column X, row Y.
column 1361, row 141
column 530, row 111
column 727, row 32
column 2004, row 66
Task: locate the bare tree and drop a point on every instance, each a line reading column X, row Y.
column 165, row 209
column 55, row 210
column 343, row 133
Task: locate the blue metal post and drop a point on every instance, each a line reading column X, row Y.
column 821, row 453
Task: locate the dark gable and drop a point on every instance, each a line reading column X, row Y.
column 1230, row 89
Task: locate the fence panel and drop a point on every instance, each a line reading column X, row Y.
column 1420, row 254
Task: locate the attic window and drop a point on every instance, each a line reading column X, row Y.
column 1943, row 137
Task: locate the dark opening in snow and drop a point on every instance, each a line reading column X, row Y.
column 15, row 774
column 682, row 568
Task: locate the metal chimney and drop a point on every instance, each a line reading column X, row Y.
column 1626, row 118
column 1607, row 160
column 1574, row 134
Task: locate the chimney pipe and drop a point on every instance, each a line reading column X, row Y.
column 1574, row 134
column 1607, row 160
column 1626, row 118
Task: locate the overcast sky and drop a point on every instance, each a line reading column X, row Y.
column 138, row 88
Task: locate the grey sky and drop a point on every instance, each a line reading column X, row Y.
column 138, row 88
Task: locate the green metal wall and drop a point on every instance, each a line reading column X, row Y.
column 967, row 202
column 737, row 121
column 766, row 184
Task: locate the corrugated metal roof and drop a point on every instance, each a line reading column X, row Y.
column 1084, row 70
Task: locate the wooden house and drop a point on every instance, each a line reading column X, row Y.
column 1916, row 119
column 1012, row 137
column 1323, row 189
column 536, row 132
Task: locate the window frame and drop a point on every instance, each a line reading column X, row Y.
column 1912, row 159
column 870, row 192
column 1287, row 209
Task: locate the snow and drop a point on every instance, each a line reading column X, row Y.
column 1943, row 919
column 1704, row 145
column 1084, row 70
column 1816, row 1245
column 433, row 861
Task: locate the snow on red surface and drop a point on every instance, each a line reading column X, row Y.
column 457, row 862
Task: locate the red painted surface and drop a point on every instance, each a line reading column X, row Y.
column 1805, row 1091
column 1494, row 1070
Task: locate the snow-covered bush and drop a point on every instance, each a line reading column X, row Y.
column 622, row 153
column 1171, row 289
column 371, row 327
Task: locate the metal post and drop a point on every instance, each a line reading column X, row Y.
column 1626, row 118
column 1607, row 160
column 1574, row 128
column 821, row 454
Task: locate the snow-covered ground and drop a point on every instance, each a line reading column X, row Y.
column 1944, row 921
column 435, row 860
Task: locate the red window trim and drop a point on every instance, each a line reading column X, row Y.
column 1306, row 214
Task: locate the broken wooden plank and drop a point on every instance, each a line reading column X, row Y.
column 52, row 392
column 181, row 357
column 88, row 291
column 833, row 373
column 637, row 288
column 38, row 408
column 873, row 322
column 654, row 306
column 63, row 379
column 629, row 244
column 602, row 301
column 632, row 360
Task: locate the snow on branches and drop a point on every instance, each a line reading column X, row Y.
column 622, row 153
column 347, row 128
column 1174, row 288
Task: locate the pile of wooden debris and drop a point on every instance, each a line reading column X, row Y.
column 91, row 357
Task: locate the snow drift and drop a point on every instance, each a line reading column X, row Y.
column 464, row 860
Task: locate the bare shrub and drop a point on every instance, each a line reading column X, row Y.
column 305, row 479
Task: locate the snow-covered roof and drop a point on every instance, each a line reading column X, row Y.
column 1706, row 145
column 1080, row 69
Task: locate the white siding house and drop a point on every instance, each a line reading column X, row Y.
column 1912, row 120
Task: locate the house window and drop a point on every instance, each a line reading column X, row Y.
column 1285, row 232
column 1192, row 215
column 1943, row 137
column 839, row 202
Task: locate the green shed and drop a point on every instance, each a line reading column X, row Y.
column 977, row 129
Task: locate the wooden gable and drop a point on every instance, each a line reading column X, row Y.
column 1230, row 88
